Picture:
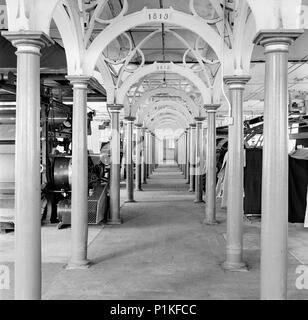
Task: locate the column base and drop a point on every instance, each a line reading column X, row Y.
column 191, row 190
column 130, row 201
column 235, row 267
column 210, row 223
column 79, row 265
column 139, row 189
column 114, row 222
column 199, row 201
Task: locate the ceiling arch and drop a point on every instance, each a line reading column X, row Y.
column 145, row 16
column 71, row 34
column 166, row 104
column 166, row 123
column 168, row 113
column 166, row 90
column 168, row 68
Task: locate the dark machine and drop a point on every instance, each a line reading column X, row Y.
column 298, row 164
column 57, row 192
column 56, row 166
column 60, row 193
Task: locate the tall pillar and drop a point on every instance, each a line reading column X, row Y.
column 183, row 158
column 138, row 179
column 185, row 154
column 210, row 206
column 235, row 207
column 27, row 164
column 274, row 224
column 153, row 152
column 157, row 151
column 79, row 215
column 148, row 153
column 188, row 155
column 306, row 105
column 129, row 159
column 144, row 155
column 192, row 156
column 180, row 155
column 198, row 160
column 115, row 217
column 204, row 137
column 123, row 164
column 176, row 151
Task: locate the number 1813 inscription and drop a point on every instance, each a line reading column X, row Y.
column 158, row 16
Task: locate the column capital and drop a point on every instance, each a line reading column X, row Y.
column 115, row 107
column 236, row 82
column 192, row 125
column 26, row 41
column 281, row 38
column 79, row 81
column 199, row 119
column 211, row 107
column 130, row 119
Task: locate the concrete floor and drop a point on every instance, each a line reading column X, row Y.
column 161, row 251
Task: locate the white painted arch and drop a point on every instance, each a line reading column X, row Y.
column 71, row 33
column 164, row 122
column 194, row 108
column 181, row 123
column 164, row 105
column 168, row 113
column 118, row 26
column 168, row 68
column 168, row 109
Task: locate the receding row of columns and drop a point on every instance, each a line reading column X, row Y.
column 145, row 145
column 28, row 190
column 275, row 167
column 274, row 179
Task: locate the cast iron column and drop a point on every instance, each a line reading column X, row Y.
column 153, row 152
column 188, row 156
column 192, row 149
column 79, row 211
column 185, row 154
column 129, row 159
column 27, row 164
column 115, row 217
column 144, row 156
column 235, row 208
column 138, row 179
column 198, row 160
column 274, row 225
column 148, row 153
column 210, row 193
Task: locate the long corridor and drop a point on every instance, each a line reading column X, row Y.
column 161, row 251
column 93, row 93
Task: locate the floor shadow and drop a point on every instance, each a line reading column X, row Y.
column 133, row 249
